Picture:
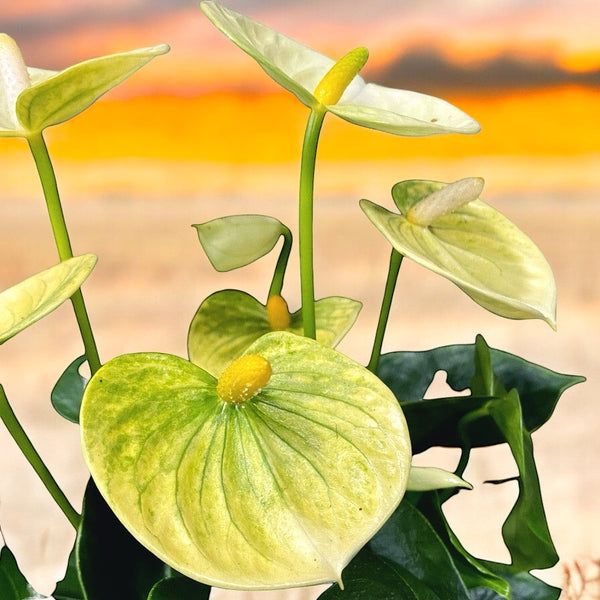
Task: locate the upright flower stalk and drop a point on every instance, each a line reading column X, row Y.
column 32, row 99
column 328, row 86
column 63, row 244
column 22, row 440
column 305, row 220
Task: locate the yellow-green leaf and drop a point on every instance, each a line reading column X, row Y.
column 279, row 491
column 228, row 321
column 28, row 301
column 63, row 95
column 475, row 247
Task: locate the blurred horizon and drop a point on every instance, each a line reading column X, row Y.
column 528, row 72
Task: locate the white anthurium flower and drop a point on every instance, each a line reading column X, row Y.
column 32, row 99
column 340, row 90
column 447, row 229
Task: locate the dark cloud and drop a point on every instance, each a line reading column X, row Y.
column 428, row 71
column 75, row 16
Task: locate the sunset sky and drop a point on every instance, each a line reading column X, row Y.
column 527, row 70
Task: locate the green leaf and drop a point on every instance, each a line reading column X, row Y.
column 479, row 580
column 67, row 393
column 434, row 422
column 408, row 539
column 69, row 588
column 370, row 577
column 13, row 584
column 32, row 299
column 238, row 240
column 475, row 247
column 228, row 321
column 279, row 491
column 179, row 588
column 524, row 585
column 112, row 563
column 63, row 95
column 525, row 530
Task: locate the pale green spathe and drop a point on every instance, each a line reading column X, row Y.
column 238, row 240
column 425, row 479
column 281, row 491
column 475, row 247
column 228, row 321
column 300, row 69
column 28, row 301
column 32, row 99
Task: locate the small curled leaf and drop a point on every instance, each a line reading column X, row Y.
column 238, row 240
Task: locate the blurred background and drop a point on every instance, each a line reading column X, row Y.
column 202, row 132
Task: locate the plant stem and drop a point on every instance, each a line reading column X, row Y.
column 18, row 434
column 61, row 238
column 384, row 313
column 281, row 266
column 305, row 223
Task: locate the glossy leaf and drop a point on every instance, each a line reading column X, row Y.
column 369, row 576
column 478, row 579
column 112, row 563
column 179, row 588
column 280, row 491
column 228, row 321
column 475, row 247
column 67, row 393
column 408, row 539
column 433, row 422
column 523, row 584
column 33, row 298
column 13, row 584
column 300, row 70
column 525, row 530
column 51, row 97
column 238, row 240
column 69, row 588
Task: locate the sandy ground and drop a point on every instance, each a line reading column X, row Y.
column 152, row 275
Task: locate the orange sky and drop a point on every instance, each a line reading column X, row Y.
column 269, row 127
column 189, row 105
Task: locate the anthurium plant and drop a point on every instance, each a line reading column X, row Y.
column 266, row 458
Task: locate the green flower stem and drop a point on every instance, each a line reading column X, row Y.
column 63, row 244
column 18, row 434
column 305, row 223
column 281, row 266
column 384, row 313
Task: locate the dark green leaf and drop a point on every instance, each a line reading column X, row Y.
column 479, row 580
column 523, row 585
column 484, row 381
column 68, row 391
column 112, row 563
column 434, row 422
column 13, row 585
column 370, row 577
column 408, row 539
column 179, row 588
column 69, row 588
column 525, row 530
